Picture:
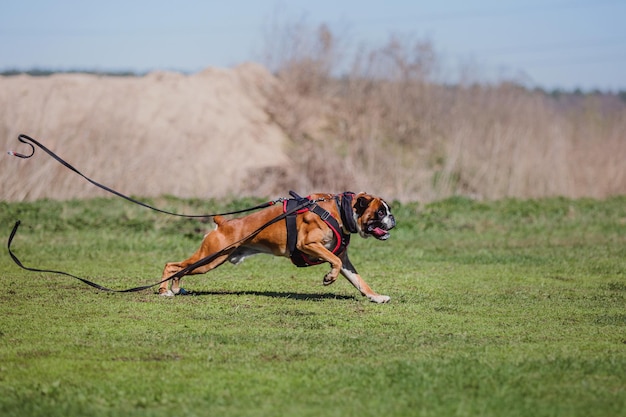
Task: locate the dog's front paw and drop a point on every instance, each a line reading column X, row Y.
column 166, row 293
column 379, row 298
column 329, row 279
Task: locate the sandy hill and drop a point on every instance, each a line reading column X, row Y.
column 201, row 135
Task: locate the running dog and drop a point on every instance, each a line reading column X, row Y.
column 317, row 233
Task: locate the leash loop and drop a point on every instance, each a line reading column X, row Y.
column 21, row 155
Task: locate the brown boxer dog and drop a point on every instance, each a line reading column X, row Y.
column 316, row 238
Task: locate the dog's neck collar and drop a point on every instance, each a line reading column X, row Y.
column 344, row 205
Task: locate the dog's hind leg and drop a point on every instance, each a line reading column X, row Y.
column 212, row 244
column 172, row 268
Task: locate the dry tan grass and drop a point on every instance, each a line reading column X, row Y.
column 384, row 126
column 387, row 127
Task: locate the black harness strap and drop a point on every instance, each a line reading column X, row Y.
column 344, row 206
column 292, row 229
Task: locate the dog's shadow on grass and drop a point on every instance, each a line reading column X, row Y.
column 276, row 294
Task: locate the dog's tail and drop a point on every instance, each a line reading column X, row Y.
column 219, row 220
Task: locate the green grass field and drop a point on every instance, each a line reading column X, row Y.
column 506, row 308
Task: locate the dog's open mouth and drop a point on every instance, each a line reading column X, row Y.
column 378, row 232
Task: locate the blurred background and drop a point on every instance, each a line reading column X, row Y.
column 411, row 100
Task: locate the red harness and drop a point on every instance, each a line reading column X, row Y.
column 298, row 257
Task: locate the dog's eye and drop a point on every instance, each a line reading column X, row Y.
column 381, row 213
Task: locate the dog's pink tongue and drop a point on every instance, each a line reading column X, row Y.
column 379, row 232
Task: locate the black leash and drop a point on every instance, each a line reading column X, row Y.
column 302, row 203
column 27, row 140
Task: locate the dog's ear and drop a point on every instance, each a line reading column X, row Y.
column 362, row 203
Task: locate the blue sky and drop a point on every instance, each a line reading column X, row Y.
column 552, row 43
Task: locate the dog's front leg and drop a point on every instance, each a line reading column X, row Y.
column 318, row 250
column 349, row 271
